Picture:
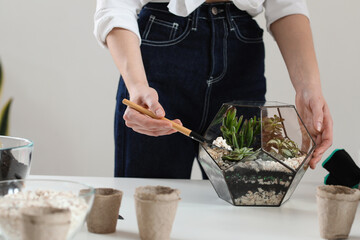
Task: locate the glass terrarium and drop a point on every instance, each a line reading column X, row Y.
column 259, row 152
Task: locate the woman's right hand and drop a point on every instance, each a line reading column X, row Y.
column 147, row 97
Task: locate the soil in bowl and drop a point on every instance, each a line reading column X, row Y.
column 10, row 167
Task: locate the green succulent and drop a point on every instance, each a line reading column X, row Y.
column 5, row 112
column 286, row 147
column 276, row 143
column 239, row 154
column 239, row 134
column 273, row 128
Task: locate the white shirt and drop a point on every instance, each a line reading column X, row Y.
column 123, row 13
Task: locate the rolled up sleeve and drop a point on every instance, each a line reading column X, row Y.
column 276, row 9
column 115, row 14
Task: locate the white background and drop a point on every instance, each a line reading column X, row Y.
column 64, row 85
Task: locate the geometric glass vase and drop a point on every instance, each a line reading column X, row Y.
column 263, row 150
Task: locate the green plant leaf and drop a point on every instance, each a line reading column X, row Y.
column 286, row 153
column 230, row 117
column 234, row 141
column 239, row 123
column 242, row 138
column 274, row 142
column 250, row 137
column 1, row 78
column 4, row 118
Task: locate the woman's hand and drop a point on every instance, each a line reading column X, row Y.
column 147, row 97
column 315, row 113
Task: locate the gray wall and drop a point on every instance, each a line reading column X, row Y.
column 64, row 84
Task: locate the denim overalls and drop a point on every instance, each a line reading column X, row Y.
column 195, row 63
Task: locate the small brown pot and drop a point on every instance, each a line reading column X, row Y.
column 337, row 206
column 44, row 223
column 155, row 211
column 105, row 210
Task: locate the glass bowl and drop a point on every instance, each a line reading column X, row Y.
column 15, row 157
column 17, row 195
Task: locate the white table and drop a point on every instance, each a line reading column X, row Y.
column 202, row 215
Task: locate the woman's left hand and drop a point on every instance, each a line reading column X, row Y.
column 315, row 113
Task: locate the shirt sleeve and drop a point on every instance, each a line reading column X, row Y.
column 276, row 9
column 116, row 14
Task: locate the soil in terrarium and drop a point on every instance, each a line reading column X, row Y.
column 10, row 168
column 249, row 187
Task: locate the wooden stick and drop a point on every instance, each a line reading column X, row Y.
column 147, row 112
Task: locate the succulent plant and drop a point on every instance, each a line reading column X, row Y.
column 286, row 147
column 273, row 136
column 239, row 134
column 272, row 128
column 5, row 112
column 238, row 154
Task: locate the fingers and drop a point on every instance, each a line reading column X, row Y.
column 154, row 133
column 317, row 115
column 177, row 121
column 324, row 140
column 134, row 118
column 151, row 100
column 316, row 157
column 314, row 161
column 147, row 125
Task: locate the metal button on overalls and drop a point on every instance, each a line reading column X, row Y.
column 214, row 10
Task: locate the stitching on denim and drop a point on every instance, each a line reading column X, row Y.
column 151, row 20
column 159, row 10
column 205, row 18
column 212, row 48
column 164, row 23
column 217, row 79
column 169, row 42
column 146, row 29
column 206, row 108
column 209, row 86
column 243, row 38
column 228, row 17
column 173, row 31
column 195, row 20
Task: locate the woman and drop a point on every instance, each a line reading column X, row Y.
column 189, row 57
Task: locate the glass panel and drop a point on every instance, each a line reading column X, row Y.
column 214, row 174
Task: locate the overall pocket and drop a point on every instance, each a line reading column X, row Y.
column 159, row 27
column 247, row 30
